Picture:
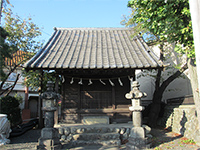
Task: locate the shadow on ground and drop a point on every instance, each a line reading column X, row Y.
column 29, row 136
column 162, row 136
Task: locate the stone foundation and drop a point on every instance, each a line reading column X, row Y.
column 111, row 134
column 137, row 144
column 182, row 120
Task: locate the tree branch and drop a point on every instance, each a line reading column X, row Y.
column 11, row 71
column 5, row 90
column 13, row 85
column 173, row 77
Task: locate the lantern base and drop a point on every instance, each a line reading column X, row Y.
column 49, row 139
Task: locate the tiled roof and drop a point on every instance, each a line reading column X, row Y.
column 18, row 57
column 94, row 48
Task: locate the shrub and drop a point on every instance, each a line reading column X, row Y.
column 10, row 106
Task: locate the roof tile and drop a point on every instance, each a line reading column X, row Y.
column 94, row 48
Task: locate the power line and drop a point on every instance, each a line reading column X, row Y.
column 45, row 32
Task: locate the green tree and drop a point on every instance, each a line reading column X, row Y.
column 20, row 35
column 167, row 22
column 5, row 50
column 33, row 79
column 10, row 106
column 3, row 2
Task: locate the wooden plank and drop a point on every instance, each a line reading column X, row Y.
column 91, row 111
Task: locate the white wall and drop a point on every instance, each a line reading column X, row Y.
column 179, row 87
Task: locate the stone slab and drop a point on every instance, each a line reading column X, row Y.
column 90, row 120
column 96, row 136
column 137, row 144
column 137, row 132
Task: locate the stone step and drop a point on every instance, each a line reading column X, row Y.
column 92, row 138
column 111, row 134
column 89, row 129
column 96, row 136
column 93, row 142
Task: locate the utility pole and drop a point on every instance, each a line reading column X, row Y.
column 195, row 13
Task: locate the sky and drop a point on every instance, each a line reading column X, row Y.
column 47, row 14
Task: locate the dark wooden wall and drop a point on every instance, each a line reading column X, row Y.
column 83, row 100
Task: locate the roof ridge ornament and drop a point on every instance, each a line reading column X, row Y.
column 55, row 28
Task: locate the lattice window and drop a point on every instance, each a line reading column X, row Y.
column 96, row 99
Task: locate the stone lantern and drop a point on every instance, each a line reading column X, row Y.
column 137, row 139
column 49, row 136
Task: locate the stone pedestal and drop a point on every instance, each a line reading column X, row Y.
column 137, row 144
column 49, row 139
column 137, row 139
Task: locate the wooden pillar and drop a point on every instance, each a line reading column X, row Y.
column 41, row 122
column 26, row 97
column 79, row 97
column 113, row 103
column 56, row 90
column 134, row 76
column 63, row 99
column 79, row 103
column 132, row 79
column 113, row 98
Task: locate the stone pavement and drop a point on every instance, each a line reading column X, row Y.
column 161, row 140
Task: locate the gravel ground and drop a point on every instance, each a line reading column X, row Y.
column 161, row 140
column 164, row 139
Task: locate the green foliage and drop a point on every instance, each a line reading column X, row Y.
column 18, row 34
column 10, row 106
column 188, row 141
column 5, row 50
column 19, row 98
column 33, row 79
column 138, row 28
column 168, row 20
column 22, row 33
